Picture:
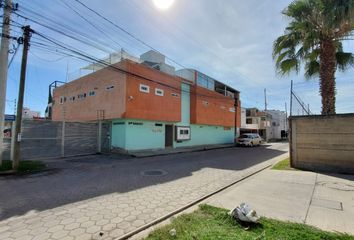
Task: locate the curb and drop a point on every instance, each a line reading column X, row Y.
column 167, row 216
column 174, row 153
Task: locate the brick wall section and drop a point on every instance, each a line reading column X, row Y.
column 238, row 114
column 126, row 100
column 111, row 101
column 211, row 108
column 323, row 143
column 149, row 106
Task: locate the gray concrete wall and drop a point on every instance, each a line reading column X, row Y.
column 323, row 143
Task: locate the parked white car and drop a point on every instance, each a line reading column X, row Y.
column 249, row 139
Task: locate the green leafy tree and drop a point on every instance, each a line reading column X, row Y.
column 313, row 39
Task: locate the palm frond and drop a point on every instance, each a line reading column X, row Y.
column 344, row 60
column 312, row 69
column 288, row 65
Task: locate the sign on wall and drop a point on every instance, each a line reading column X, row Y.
column 183, row 133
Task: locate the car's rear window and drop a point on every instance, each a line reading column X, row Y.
column 246, row 136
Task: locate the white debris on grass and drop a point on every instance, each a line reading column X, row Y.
column 245, row 213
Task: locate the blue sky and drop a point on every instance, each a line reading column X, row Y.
column 228, row 40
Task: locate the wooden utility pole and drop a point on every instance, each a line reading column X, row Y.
column 27, row 31
column 4, row 58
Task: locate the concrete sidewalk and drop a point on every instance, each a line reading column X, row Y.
column 324, row 201
column 167, row 151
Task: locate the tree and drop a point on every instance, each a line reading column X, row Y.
column 313, row 39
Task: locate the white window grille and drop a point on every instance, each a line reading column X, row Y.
column 159, row 92
column 144, row 88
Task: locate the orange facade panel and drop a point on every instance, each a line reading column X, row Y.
column 212, row 108
column 100, row 95
column 156, row 96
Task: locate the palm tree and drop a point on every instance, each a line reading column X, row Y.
column 314, row 38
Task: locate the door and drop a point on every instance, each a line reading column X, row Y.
column 168, row 135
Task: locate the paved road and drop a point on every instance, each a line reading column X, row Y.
column 84, row 196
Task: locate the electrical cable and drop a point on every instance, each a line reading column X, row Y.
column 91, row 58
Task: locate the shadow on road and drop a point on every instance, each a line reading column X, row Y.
column 83, row 178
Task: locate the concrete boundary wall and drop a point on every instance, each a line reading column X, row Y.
column 323, row 143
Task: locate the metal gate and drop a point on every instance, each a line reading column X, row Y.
column 49, row 139
column 106, row 137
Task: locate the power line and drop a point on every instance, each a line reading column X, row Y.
column 14, row 55
column 126, row 32
column 89, row 22
column 117, row 26
column 91, row 58
column 88, row 40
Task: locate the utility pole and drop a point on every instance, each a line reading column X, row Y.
column 265, row 100
column 286, row 116
column 4, row 58
column 291, row 97
column 27, row 31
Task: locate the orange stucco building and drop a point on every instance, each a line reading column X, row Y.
column 150, row 107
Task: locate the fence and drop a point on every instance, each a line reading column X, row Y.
column 49, row 139
column 297, row 106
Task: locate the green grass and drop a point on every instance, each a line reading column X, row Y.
column 211, row 223
column 283, row 165
column 24, row 167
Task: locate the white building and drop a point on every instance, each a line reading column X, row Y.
column 279, row 124
column 28, row 114
column 271, row 125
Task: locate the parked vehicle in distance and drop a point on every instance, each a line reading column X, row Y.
column 249, row 139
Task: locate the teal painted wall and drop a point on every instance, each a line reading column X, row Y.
column 140, row 134
column 146, row 136
column 205, row 135
column 118, row 134
column 185, row 105
column 137, row 134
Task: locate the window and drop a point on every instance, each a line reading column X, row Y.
column 61, row 100
column 183, row 133
column 232, row 110
column 159, row 92
column 119, row 123
column 92, row 93
column 158, row 124
column 109, row 88
column 174, row 94
column 84, row 95
column 205, row 81
column 205, row 103
column 144, row 88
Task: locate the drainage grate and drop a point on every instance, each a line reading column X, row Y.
column 154, row 172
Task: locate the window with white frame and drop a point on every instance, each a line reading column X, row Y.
column 61, row 99
column 159, row 92
column 109, row 88
column 144, row 88
column 183, row 133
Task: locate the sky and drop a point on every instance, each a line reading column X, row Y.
column 230, row 41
